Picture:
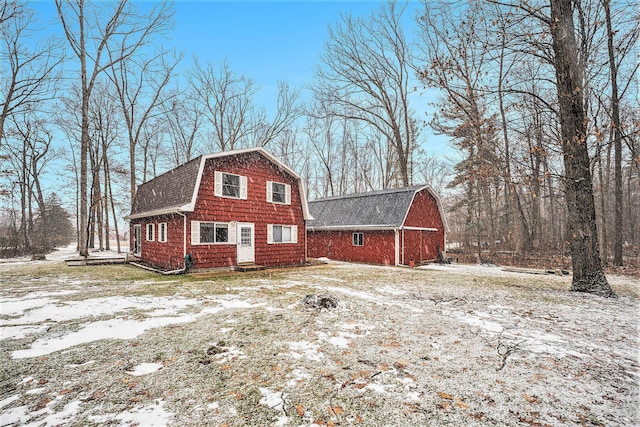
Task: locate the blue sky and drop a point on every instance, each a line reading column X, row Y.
column 269, row 41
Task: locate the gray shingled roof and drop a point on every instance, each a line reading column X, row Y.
column 170, row 190
column 384, row 208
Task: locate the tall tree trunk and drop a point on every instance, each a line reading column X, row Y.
column 588, row 275
column 617, row 142
column 105, row 201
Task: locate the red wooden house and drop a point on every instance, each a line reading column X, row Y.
column 224, row 209
column 390, row 227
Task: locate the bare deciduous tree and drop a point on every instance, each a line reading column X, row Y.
column 140, row 84
column 366, row 78
column 228, row 101
column 28, row 70
column 89, row 29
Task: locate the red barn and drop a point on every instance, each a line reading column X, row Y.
column 389, row 227
column 225, row 209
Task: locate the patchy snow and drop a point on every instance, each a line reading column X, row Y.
column 435, row 345
column 61, row 311
column 145, row 369
column 304, row 349
column 9, row 400
column 140, row 416
column 101, row 330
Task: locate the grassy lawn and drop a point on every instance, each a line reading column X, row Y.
column 456, row 345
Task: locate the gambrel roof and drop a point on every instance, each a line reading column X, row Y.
column 176, row 191
column 383, row 209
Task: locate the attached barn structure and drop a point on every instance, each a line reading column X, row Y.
column 402, row 226
column 226, row 209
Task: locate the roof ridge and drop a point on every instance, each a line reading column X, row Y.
column 171, row 170
column 370, row 193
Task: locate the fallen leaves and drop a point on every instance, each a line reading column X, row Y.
column 449, row 401
column 335, row 410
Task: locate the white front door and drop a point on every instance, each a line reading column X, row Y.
column 246, row 246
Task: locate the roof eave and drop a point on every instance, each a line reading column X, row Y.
column 157, row 212
column 383, row 227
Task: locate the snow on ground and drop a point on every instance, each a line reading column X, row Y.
column 435, row 345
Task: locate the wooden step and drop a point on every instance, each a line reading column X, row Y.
column 243, row 267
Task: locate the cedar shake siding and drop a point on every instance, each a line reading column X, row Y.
column 276, row 212
column 396, row 226
column 255, row 209
column 166, row 254
column 378, row 246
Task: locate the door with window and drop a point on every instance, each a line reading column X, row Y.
column 246, row 244
column 137, row 239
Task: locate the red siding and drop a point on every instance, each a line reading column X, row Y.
column 421, row 245
column 210, row 208
column 255, row 209
column 418, row 245
column 167, row 254
column 379, row 246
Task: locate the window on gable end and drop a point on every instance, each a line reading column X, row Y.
column 278, row 192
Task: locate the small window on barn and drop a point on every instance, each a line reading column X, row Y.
column 358, row 239
column 282, row 233
column 230, row 185
column 278, row 192
column 162, row 232
column 150, row 232
column 214, row 232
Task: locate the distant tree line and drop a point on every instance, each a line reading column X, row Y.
column 545, row 126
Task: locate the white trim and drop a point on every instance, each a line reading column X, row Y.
column 438, row 204
column 153, row 232
column 139, row 239
column 269, row 192
column 162, row 225
column 397, row 248
column 196, row 237
column 245, row 249
column 219, row 185
column 293, row 238
column 353, row 227
column 402, row 247
column 189, row 207
column 269, row 234
column 157, row 212
column 420, row 228
column 287, row 193
column 243, row 187
column 353, row 238
column 184, row 234
column 195, row 233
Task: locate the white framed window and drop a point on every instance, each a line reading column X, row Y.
column 277, row 192
column 282, row 233
column 230, row 185
column 162, row 232
column 151, row 232
column 213, row 233
column 358, row 239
